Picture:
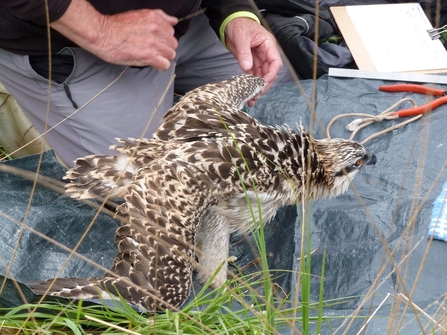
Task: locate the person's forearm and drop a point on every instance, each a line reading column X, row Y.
column 143, row 37
column 81, row 23
column 219, row 10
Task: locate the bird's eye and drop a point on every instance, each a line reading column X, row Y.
column 359, row 162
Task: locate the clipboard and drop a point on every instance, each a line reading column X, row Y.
column 360, row 42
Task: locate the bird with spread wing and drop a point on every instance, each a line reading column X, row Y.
column 209, row 170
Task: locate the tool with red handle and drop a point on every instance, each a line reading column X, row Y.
column 429, row 91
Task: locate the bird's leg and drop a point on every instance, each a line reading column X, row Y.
column 213, row 242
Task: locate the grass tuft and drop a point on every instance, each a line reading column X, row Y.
column 4, row 155
column 232, row 309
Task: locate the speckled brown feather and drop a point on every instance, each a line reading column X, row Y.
column 200, row 178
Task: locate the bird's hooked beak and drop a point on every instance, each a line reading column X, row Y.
column 372, row 161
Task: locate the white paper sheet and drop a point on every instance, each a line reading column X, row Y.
column 396, row 38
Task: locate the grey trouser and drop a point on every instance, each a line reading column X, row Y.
column 132, row 106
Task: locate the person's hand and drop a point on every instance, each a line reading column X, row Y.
column 255, row 49
column 140, row 38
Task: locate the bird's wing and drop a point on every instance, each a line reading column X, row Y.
column 210, row 109
column 162, row 210
column 109, row 175
column 100, row 176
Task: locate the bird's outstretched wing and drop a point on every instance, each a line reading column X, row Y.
column 210, row 109
column 109, row 175
column 162, row 210
column 97, row 176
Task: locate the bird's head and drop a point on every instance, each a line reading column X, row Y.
column 341, row 160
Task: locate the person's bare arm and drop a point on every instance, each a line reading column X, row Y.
column 141, row 38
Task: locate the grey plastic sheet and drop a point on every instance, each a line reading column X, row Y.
column 393, row 200
column 388, row 207
column 28, row 257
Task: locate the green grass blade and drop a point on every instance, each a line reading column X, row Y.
column 320, row 299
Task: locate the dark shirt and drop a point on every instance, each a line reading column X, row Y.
column 23, row 26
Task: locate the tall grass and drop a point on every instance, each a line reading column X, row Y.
column 4, row 154
column 235, row 309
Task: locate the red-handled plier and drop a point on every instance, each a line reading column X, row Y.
column 417, row 89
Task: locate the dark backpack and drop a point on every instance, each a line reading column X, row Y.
column 294, row 23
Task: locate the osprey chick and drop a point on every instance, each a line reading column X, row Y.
column 197, row 180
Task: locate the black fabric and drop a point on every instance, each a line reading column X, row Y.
column 296, row 36
column 301, row 29
column 290, row 8
column 23, row 24
column 36, row 11
column 61, row 66
column 24, row 29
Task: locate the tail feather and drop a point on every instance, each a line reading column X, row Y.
column 67, row 287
